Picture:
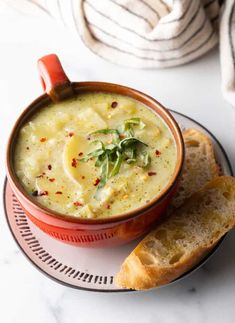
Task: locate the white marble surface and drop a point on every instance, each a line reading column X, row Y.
column 194, row 89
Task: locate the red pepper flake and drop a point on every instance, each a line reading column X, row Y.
column 27, row 148
column 96, row 182
column 43, row 139
column 35, row 193
column 152, row 173
column 74, row 162
column 43, row 193
column 59, row 192
column 80, row 154
column 88, row 138
column 51, row 179
column 40, row 176
column 70, row 134
column 77, row 203
column 108, row 206
column 114, row 104
column 157, row 153
column 83, row 177
column 49, row 167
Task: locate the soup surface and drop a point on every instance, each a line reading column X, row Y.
column 95, row 156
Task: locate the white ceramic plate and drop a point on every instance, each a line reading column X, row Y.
column 88, row 269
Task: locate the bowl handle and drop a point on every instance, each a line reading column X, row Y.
column 53, row 78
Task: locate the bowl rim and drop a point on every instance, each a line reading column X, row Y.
column 94, row 87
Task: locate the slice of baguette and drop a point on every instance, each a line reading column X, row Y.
column 200, row 165
column 182, row 240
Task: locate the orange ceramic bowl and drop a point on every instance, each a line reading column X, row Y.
column 111, row 231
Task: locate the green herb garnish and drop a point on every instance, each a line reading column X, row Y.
column 128, row 129
column 124, row 147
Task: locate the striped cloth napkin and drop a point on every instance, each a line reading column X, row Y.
column 150, row 33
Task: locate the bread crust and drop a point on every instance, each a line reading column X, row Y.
column 200, row 165
column 136, row 274
column 203, row 139
column 150, row 277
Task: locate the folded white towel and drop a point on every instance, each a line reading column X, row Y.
column 148, row 33
column 227, row 50
column 151, row 33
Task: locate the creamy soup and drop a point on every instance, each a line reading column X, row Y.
column 95, row 156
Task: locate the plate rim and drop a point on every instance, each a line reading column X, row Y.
column 57, row 280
